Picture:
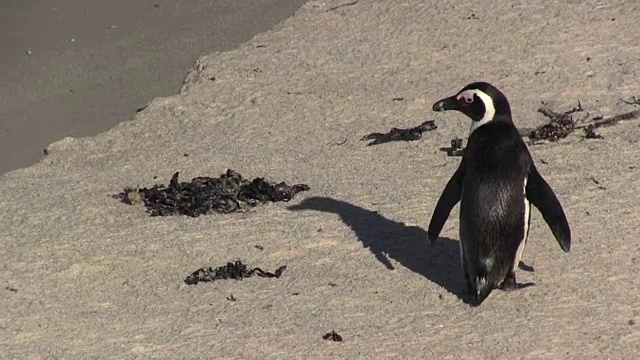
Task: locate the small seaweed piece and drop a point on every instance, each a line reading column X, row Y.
column 456, row 148
column 590, row 132
column 333, row 336
column 232, row 270
column 396, row 134
column 634, row 100
column 595, row 181
column 343, row 5
column 225, row 194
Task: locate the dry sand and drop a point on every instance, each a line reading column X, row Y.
column 94, row 278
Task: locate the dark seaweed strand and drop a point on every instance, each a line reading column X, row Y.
column 232, row 270
column 396, row 134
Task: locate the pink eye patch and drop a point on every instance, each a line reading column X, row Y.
column 467, row 96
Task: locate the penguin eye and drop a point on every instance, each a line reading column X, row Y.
column 468, row 99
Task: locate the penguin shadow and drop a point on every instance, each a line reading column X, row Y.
column 408, row 245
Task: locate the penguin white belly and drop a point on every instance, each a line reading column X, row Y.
column 527, row 217
column 460, row 240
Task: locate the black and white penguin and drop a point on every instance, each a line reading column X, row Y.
column 495, row 184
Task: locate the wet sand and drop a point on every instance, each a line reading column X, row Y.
column 79, row 67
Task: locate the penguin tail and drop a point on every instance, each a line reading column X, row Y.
column 431, row 239
column 481, row 291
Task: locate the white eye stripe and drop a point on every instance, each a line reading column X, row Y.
column 489, row 108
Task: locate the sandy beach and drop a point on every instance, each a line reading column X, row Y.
column 86, row 276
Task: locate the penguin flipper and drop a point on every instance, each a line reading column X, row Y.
column 540, row 194
column 448, row 199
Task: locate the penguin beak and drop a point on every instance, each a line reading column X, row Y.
column 450, row 103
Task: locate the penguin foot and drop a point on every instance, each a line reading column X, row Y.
column 510, row 284
column 524, row 267
column 515, row 286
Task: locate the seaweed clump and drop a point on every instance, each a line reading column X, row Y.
column 232, row 270
column 203, row 195
column 396, row 134
column 559, row 126
column 562, row 124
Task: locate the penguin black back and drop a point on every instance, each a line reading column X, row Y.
column 493, row 209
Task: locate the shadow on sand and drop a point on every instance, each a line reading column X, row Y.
column 408, row 245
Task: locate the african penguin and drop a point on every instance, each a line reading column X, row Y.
column 495, row 184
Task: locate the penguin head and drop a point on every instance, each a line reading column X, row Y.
column 480, row 101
